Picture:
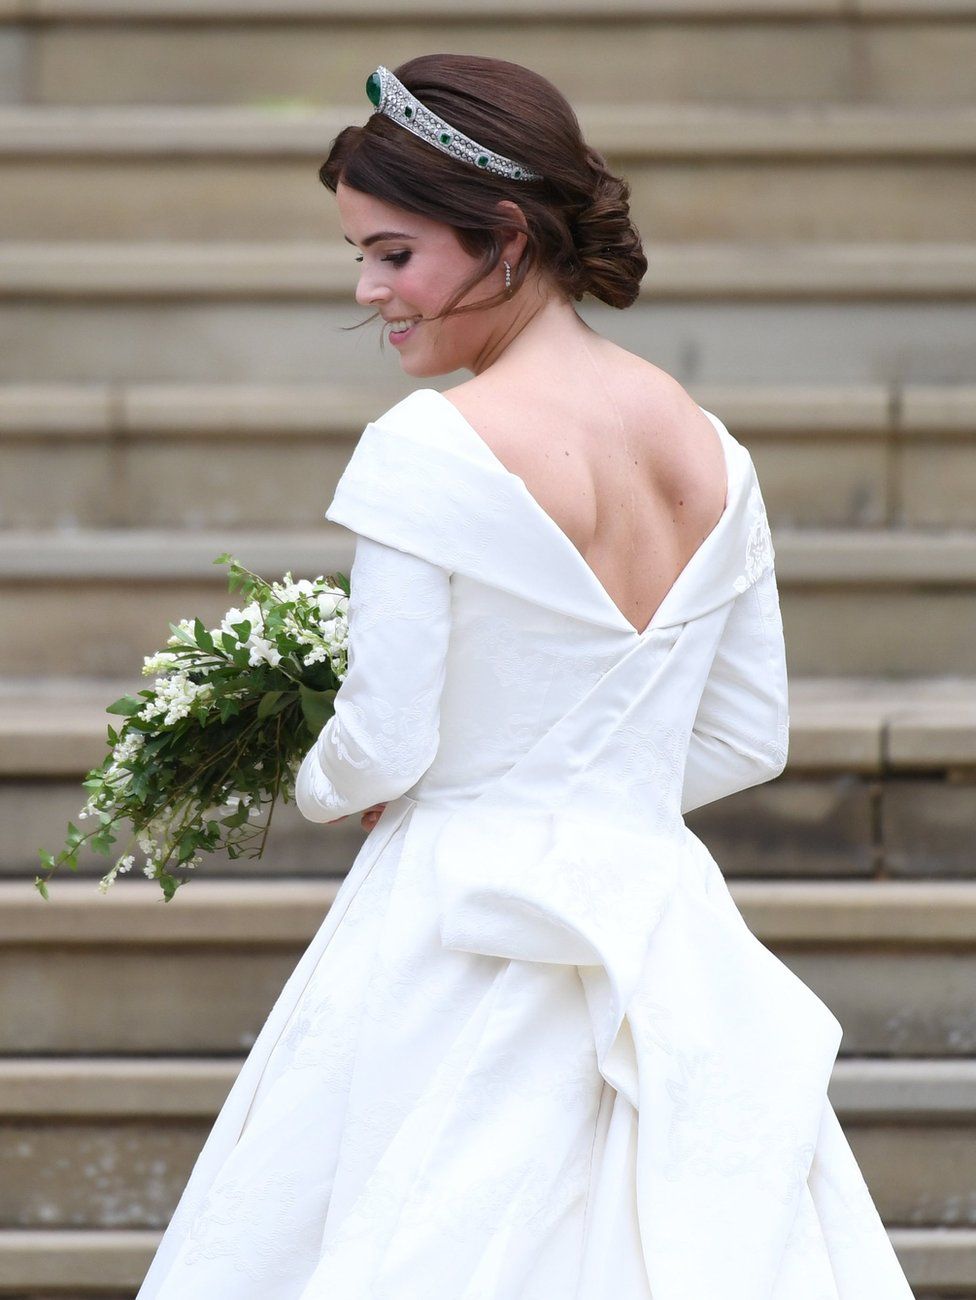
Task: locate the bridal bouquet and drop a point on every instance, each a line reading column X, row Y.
column 222, row 732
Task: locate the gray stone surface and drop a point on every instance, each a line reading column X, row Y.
column 35, row 814
column 907, row 632
column 929, row 827
column 862, row 605
column 15, row 48
column 699, row 343
column 894, row 1001
column 130, row 1174
column 937, row 482
column 91, row 1000
column 823, row 198
column 744, row 60
column 55, row 999
column 793, row 827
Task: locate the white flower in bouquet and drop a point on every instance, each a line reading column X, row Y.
column 221, row 734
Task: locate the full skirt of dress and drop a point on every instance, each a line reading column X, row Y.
column 414, row 1120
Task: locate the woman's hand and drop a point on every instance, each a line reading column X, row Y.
column 371, row 816
column 368, row 820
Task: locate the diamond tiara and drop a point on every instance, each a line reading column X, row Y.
column 390, row 96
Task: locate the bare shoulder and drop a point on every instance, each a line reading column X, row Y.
column 501, row 419
column 519, row 420
column 569, row 449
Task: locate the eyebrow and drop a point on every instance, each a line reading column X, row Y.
column 379, row 236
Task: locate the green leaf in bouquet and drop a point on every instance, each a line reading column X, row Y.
column 41, row 887
column 127, row 706
column 243, row 682
column 339, row 580
column 237, row 818
column 182, row 634
column 74, row 836
column 187, row 846
column 202, row 637
column 113, row 739
column 229, row 708
column 102, row 842
column 243, row 629
column 317, row 707
column 46, row 859
column 273, row 702
column 228, row 642
column 169, row 884
column 139, row 786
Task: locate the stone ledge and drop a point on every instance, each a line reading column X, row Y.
column 149, row 11
column 804, row 556
column 57, row 727
column 643, row 131
column 937, row 1257
column 217, row 913
column 756, row 412
column 101, row 1260
column 115, row 1087
column 318, row 270
column 89, row 1261
column 133, row 409
column 194, row 1088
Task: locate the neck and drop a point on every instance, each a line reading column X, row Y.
column 536, row 329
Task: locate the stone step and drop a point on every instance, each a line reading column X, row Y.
column 699, row 342
column 109, row 1143
column 881, row 781
column 857, row 602
column 110, row 1265
column 200, row 455
column 224, row 52
column 821, row 172
column 324, row 271
column 167, row 11
column 895, row 961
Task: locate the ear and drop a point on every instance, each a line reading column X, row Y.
column 516, row 238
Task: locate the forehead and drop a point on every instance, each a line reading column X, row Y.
column 359, row 211
column 363, row 215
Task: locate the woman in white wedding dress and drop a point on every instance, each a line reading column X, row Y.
column 533, row 1052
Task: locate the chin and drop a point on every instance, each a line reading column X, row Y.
column 421, row 369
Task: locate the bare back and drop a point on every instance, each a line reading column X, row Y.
column 636, row 482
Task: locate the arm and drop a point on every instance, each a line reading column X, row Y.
column 386, row 726
column 741, row 733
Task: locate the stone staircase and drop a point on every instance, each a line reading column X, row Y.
column 175, row 383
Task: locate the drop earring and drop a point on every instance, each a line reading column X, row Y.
column 508, row 279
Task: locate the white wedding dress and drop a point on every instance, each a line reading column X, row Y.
column 533, row 1051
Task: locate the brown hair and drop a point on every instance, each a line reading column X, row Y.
column 578, row 226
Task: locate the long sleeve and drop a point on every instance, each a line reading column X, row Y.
column 386, row 727
column 741, row 732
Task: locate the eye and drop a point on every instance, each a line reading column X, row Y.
column 398, row 259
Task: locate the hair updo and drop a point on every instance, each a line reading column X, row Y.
column 578, row 227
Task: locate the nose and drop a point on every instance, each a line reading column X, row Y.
column 368, row 292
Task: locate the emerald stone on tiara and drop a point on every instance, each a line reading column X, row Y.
column 391, row 97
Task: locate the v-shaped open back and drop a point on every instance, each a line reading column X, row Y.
column 546, row 518
column 422, row 479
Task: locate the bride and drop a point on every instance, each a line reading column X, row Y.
column 533, row 1050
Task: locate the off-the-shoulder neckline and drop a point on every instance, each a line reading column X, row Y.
column 547, row 520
